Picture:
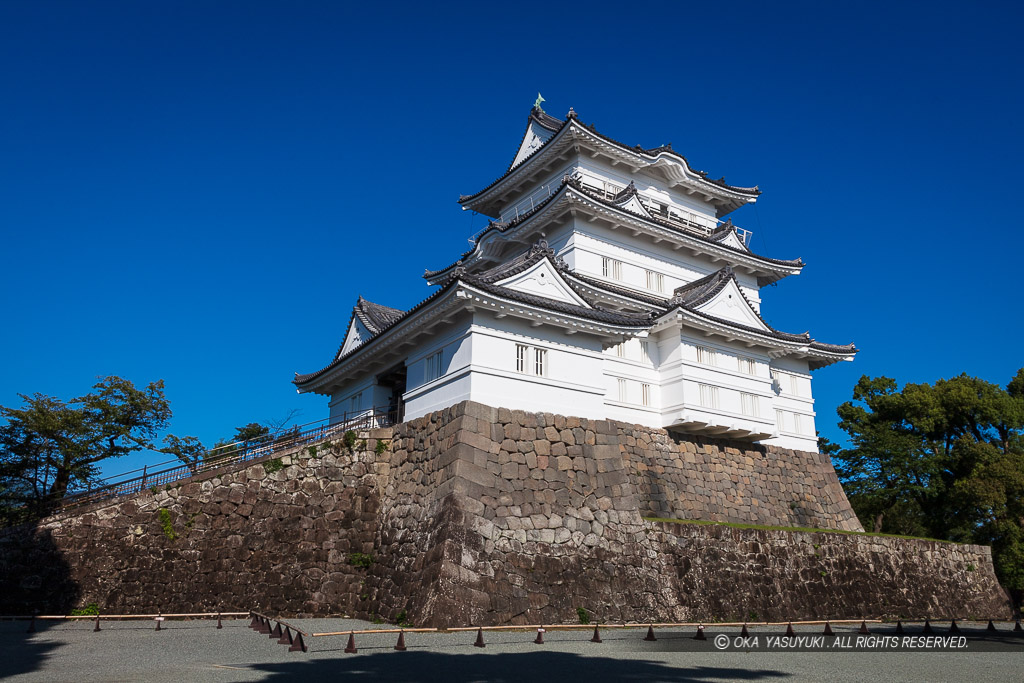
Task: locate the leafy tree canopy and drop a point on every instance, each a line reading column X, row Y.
column 944, row 460
column 49, row 446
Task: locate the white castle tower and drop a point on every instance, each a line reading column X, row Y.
column 607, row 286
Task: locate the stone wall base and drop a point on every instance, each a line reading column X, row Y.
column 478, row 515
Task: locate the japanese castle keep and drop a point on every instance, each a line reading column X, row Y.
column 607, row 285
column 536, row 437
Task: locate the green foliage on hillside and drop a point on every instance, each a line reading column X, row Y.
column 943, row 460
column 50, row 446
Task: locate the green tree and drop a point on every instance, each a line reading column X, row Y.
column 49, row 446
column 187, row 449
column 245, row 436
column 944, row 460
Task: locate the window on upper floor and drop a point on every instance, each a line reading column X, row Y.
column 356, row 403
column 622, row 387
column 645, row 352
column 708, row 396
column 531, row 360
column 432, row 367
column 645, row 394
column 749, row 404
column 611, row 268
column 655, row 281
column 705, row 355
column 521, row 357
column 747, row 365
column 780, row 420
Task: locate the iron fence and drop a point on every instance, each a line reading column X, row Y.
column 171, row 471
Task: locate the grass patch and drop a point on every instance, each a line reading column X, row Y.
column 812, row 530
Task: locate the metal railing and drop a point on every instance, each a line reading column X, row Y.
column 170, row 471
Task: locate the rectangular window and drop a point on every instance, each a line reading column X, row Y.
column 432, row 367
column 611, row 268
column 356, row 403
column 798, row 423
column 780, row 420
column 530, row 360
column 520, row 358
column 645, row 352
column 794, row 385
column 622, row 390
column 748, row 403
column 645, row 394
column 655, row 281
column 748, row 365
column 705, row 355
column 708, row 396
column 620, row 350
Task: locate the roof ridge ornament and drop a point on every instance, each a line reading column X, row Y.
column 536, row 105
column 571, row 114
column 540, row 247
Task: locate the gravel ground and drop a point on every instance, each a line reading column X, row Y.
column 197, row 651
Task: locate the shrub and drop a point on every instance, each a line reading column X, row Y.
column 275, row 465
column 349, row 439
column 90, row 610
column 363, row 560
column 381, row 446
column 583, row 615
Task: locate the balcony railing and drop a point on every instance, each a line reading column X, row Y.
column 170, row 471
column 687, row 220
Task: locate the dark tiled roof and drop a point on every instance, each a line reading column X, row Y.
column 374, row 316
column 499, row 227
column 698, row 292
column 303, row 378
column 486, row 282
column 545, row 121
column 658, row 302
column 715, row 237
column 635, row 320
column 488, row 279
column 556, row 125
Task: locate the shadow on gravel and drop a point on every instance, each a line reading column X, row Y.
column 510, row 667
column 34, row 578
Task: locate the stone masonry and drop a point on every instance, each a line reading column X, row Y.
column 480, row 515
column 723, row 481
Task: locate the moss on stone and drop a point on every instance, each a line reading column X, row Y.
column 810, row 530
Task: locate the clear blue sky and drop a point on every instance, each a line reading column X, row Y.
column 198, row 191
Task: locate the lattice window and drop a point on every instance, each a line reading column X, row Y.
column 749, row 404
column 655, row 281
column 611, row 268
column 706, row 355
column 708, row 396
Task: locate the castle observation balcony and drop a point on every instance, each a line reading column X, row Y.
column 686, row 220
